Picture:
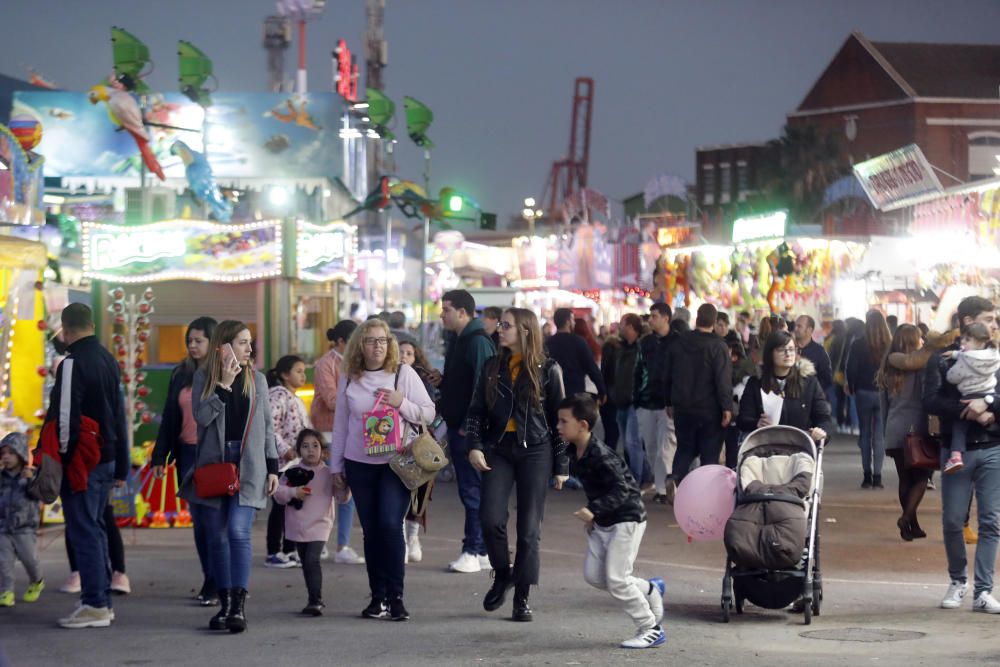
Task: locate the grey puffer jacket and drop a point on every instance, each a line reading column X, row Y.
column 18, row 512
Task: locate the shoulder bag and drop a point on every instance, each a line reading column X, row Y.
column 216, row 480
column 921, row 451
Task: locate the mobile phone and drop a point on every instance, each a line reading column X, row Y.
column 228, row 353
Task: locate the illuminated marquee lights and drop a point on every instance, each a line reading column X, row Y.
column 321, row 245
column 768, row 226
column 107, row 249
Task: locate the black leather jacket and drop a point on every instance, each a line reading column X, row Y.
column 943, row 399
column 485, row 425
column 612, row 493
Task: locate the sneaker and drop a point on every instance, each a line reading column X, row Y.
column 7, row 599
column 986, row 603
column 660, row 498
column 324, row 554
column 646, row 638
column 278, row 560
column 72, row 585
column 654, row 596
column 953, row 598
column 348, row 556
column 293, row 556
column 930, row 485
column 397, row 611
column 484, row 563
column 313, row 609
column 86, row 616
column 120, row 583
column 953, row 464
column 34, row 590
column 377, row 608
column 466, row 563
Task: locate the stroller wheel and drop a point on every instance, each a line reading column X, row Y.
column 816, row 604
column 808, row 611
column 739, row 605
column 726, row 606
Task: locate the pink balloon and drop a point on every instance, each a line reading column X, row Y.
column 704, row 502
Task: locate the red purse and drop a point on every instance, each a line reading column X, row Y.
column 221, row 479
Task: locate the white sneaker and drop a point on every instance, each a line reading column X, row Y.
column 348, row 556
column 646, row 638
column 953, row 598
column 466, row 563
column 86, row 616
column 324, row 554
column 986, row 604
column 484, row 563
column 654, row 596
column 414, row 551
column 293, row 558
column 278, row 560
column 72, row 584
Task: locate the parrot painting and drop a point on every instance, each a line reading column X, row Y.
column 202, row 181
column 125, row 113
column 376, row 200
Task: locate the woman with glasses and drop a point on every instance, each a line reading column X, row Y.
column 511, row 427
column 785, row 374
column 372, row 371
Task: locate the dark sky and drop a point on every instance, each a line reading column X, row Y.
column 669, row 76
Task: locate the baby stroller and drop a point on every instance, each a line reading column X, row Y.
column 772, row 538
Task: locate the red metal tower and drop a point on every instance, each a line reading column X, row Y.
column 569, row 174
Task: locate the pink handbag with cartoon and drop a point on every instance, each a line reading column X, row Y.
column 382, row 432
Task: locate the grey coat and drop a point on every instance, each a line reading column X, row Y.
column 210, row 413
column 904, row 411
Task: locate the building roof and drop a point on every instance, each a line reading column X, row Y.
column 968, row 71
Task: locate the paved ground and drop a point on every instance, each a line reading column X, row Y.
column 874, row 582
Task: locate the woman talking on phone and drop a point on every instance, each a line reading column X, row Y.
column 230, row 404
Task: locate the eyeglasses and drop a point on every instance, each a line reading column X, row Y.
column 787, row 351
column 504, row 325
column 376, row 342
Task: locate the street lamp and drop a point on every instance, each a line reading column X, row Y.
column 530, row 214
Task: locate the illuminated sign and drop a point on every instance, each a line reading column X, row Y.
column 347, row 72
column 673, row 236
column 182, row 250
column 752, row 228
column 326, row 252
column 894, row 177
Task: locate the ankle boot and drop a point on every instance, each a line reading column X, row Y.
column 522, row 612
column 495, row 597
column 218, row 621
column 867, row 483
column 237, row 620
column 877, row 482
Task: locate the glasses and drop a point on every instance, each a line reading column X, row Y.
column 504, row 325
column 787, row 351
column 376, row 342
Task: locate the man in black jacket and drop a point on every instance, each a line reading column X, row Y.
column 88, row 384
column 618, row 363
column 616, row 520
column 980, row 473
column 699, row 391
column 574, row 357
column 656, row 428
column 805, row 327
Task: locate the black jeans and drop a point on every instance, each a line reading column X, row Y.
column 116, row 548
column 732, row 445
column 311, row 569
column 381, row 501
column 530, row 468
column 276, row 540
column 697, row 438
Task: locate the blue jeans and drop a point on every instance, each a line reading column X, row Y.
column 628, row 426
column 228, row 530
column 469, row 482
column 382, row 501
column 84, row 513
column 871, row 432
column 980, row 473
column 345, row 517
column 185, row 464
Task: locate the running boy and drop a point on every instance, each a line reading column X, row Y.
column 974, row 373
column 18, row 520
column 615, row 521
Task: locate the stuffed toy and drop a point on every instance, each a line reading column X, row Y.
column 298, row 477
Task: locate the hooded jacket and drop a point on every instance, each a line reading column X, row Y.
column 650, row 368
column 612, row 493
column 18, row 512
column 462, row 367
column 808, row 410
column 618, row 362
column 699, row 375
column 975, row 371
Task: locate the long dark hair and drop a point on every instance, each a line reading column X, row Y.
column 185, row 370
column 282, row 368
column 877, row 335
column 905, row 340
column 768, row 382
column 532, row 356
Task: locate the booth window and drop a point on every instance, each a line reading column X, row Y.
column 984, row 147
column 708, row 184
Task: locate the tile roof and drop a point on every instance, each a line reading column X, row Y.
column 969, row 71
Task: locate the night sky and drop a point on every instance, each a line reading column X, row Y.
column 669, row 76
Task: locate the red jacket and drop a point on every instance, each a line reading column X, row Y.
column 86, row 455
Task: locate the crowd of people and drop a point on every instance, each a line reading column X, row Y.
column 624, row 413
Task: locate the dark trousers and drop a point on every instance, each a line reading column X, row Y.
column 116, row 548
column 276, row 540
column 311, row 569
column 609, row 417
column 732, row 445
column 185, row 464
column 697, row 438
column 381, row 501
column 85, row 513
column 530, row 469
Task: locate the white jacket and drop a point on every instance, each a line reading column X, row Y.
column 975, row 371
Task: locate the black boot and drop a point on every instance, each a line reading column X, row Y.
column 397, row 611
column 495, row 597
column 218, row 621
column 867, row 483
column 877, row 482
column 207, row 596
column 237, row 620
column 522, row 612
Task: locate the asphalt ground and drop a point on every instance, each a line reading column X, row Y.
column 880, row 603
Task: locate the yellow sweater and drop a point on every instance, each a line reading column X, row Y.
column 514, row 364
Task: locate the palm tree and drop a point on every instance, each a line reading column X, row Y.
column 803, row 163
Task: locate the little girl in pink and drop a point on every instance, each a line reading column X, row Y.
column 309, row 526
